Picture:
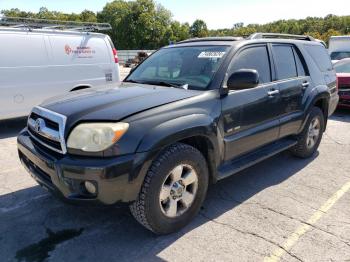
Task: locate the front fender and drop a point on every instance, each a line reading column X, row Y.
column 177, row 129
column 166, row 134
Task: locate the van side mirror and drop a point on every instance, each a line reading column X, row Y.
column 243, row 79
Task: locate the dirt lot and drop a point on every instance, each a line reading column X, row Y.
column 281, row 209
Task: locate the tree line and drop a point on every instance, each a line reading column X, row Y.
column 145, row 24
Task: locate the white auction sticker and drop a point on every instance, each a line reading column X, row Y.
column 211, row 54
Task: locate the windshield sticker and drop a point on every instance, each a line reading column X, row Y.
column 211, row 54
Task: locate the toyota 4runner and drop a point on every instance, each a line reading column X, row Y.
column 189, row 115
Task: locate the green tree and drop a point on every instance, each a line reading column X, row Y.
column 143, row 24
column 199, row 29
column 87, row 16
column 179, row 31
column 140, row 24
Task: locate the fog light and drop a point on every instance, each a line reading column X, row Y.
column 90, row 187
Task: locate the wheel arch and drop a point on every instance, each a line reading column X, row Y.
column 199, row 131
column 322, row 102
column 80, row 87
column 320, row 98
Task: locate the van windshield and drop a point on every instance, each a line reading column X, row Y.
column 193, row 67
column 340, row 55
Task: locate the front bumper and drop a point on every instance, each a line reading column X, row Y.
column 117, row 179
column 344, row 99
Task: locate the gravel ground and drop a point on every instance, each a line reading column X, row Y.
column 281, row 209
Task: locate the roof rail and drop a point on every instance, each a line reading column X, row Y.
column 215, row 38
column 34, row 23
column 282, row 36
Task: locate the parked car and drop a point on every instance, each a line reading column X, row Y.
column 38, row 62
column 189, row 115
column 339, row 47
column 343, row 75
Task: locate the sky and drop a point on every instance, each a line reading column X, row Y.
column 217, row 14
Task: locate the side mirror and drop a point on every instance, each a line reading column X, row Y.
column 243, row 79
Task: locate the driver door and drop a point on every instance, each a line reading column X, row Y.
column 250, row 116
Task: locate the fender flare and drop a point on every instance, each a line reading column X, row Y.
column 165, row 134
column 80, row 87
column 178, row 129
column 317, row 94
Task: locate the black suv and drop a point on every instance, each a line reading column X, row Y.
column 189, row 115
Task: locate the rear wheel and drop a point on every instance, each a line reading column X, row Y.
column 310, row 137
column 173, row 191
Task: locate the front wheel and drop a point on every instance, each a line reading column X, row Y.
column 173, row 190
column 310, row 137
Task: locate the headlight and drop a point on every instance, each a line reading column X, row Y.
column 96, row 137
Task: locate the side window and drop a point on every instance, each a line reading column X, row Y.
column 300, row 66
column 320, row 56
column 284, row 61
column 254, row 58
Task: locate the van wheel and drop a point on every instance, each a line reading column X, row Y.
column 173, row 190
column 310, row 137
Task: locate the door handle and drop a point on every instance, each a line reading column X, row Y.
column 305, row 84
column 273, row 92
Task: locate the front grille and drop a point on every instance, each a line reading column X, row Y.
column 344, row 93
column 344, row 86
column 48, row 122
column 52, row 143
column 47, row 128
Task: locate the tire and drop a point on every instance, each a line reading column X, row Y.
column 156, row 214
column 303, row 148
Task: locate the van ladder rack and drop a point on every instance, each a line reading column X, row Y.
column 34, row 23
column 281, row 36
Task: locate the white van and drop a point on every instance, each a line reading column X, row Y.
column 36, row 64
column 339, row 47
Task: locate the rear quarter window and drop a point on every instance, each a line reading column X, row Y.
column 320, row 56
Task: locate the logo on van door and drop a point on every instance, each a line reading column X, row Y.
column 67, row 49
column 80, row 51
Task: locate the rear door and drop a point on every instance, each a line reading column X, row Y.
column 292, row 79
column 250, row 117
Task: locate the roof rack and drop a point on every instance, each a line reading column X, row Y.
column 285, row 36
column 218, row 38
column 33, row 23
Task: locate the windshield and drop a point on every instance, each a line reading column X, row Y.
column 192, row 67
column 339, row 55
column 342, row 66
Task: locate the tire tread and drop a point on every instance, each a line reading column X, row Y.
column 137, row 208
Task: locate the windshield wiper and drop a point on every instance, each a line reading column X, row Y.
column 133, row 81
column 160, row 83
column 164, row 83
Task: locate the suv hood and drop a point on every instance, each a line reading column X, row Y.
column 114, row 104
